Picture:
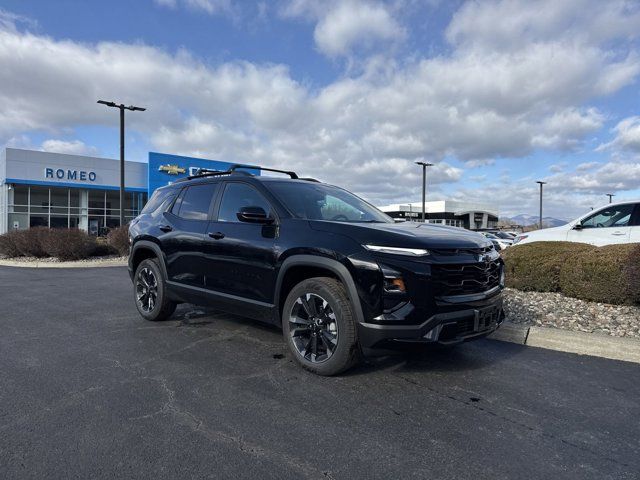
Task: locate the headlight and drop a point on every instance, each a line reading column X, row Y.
column 413, row 252
column 502, row 276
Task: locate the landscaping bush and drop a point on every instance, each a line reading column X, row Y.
column 102, row 248
column 30, row 243
column 8, row 245
column 608, row 274
column 69, row 244
column 118, row 239
column 536, row 266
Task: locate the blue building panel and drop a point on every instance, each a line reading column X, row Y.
column 165, row 168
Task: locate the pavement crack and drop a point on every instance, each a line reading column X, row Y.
column 196, row 424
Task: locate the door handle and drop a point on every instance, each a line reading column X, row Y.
column 165, row 228
column 217, row 235
column 618, row 234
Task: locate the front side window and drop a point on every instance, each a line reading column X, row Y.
column 237, row 196
column 614, row 216
column 196, row 201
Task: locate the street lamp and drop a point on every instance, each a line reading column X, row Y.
column 122, row 108
column 424, row 184
column 541, row 184
column 610, row 195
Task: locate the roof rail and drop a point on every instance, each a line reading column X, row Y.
column 235, row 169
column 309, row 179
column 293, row 175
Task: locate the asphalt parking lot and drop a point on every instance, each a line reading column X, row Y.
column 90, row 390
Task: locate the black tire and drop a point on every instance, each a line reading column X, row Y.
column 333, row 326
column 150, row 292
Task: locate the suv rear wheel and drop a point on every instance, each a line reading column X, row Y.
column 151, row 293
column 319, row 326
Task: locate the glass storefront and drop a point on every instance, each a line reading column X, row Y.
column 93, row 210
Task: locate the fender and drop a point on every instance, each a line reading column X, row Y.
column 149, row 246
column 330, row 264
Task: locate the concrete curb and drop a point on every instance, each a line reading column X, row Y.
column 593, row 344
column 88, row 264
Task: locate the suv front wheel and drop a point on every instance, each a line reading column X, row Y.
column 319, row 326
column 150, row 292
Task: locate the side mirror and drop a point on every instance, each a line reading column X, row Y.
column 254, row 215
column 578, row 226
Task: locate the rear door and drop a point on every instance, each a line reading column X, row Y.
column 609, row 225
column 186, row 225
column 241, row 256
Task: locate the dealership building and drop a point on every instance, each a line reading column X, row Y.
column 44, row 189
column 470, row 215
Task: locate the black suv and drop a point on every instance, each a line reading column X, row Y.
column 339, row 276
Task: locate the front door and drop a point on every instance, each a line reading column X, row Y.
column 607, row 226
column 241, row 256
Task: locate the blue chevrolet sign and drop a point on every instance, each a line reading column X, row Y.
column 165, row 168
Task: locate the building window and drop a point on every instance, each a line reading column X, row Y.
column 94, row 211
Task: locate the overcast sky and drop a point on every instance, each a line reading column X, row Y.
column 498, row 94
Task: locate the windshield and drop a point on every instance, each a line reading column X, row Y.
column 503, row 235
column 316, row 201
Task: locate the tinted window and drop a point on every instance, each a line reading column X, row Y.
column 160, row 197
column 238, row 195
column 176, row 206
column 614, row 216
column 196, row 201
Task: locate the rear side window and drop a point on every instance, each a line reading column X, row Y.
column 162, row 196
column 195, row 201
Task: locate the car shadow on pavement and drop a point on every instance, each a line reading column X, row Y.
column 475, row 355
column 408, row 357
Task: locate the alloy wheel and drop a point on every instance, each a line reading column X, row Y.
column 146, row 289
column 313, row 328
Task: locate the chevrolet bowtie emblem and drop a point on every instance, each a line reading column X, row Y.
column 171, row 169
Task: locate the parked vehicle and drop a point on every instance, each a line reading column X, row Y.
column 613, row 223
column 505, row 235
column 339, row 276
column 502, row 242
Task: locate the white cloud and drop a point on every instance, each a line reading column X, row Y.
column 212, row 7
column 567, row 194
column 474, row 104
column 345, row 25
column 74, row 147
column 627, row 136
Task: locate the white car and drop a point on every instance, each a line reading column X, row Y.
column 613, row 223
column 504, row 243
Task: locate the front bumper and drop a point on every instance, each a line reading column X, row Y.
column 443, row 328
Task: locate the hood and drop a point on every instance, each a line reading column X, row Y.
column 551, row 232
column 405, row 234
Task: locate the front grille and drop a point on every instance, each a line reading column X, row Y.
column 449, row 280
column 459, row 251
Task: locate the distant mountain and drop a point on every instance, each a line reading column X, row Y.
column 525, row 220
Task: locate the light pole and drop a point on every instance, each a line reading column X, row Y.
column 122, row 108
column 424, row 185
column 610, row 195
column 541, row 184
